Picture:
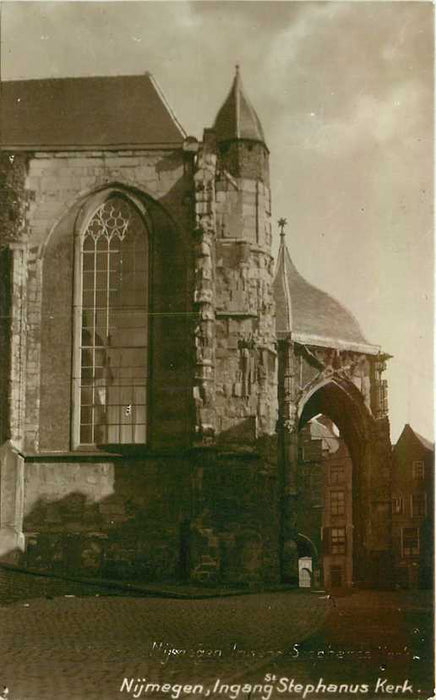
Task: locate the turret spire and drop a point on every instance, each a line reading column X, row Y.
column 282, row 224
column 237, row 118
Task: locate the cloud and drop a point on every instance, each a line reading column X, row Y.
column 396, row 117
column 310, row 23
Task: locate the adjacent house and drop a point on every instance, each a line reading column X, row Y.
column 413, row 509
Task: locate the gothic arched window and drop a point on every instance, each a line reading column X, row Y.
column 111, row 349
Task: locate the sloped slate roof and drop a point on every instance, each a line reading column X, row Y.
column 311, row 314
column 408, row 433
column 237, row 118
column 426, row 443
column 89, row 112
column 320, row 431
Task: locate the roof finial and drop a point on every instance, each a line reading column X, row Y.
column 237, row 68
column 282, row 223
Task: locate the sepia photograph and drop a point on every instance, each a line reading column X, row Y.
column 216, row 350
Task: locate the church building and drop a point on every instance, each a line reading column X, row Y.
column 157, row 366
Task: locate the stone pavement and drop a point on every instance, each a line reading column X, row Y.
column 90, row 646
column 83, row 647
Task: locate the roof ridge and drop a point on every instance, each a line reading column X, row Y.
column 58, row 78
column 166, row 104
column 421, row 439
column 427, row 443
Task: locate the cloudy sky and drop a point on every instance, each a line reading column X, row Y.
column 345, row 94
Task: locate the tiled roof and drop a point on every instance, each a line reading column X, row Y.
column 89, row 112
column 426, row 443
column 237, row 118
column 313, row 316
column 320, row 431
column 409, row 433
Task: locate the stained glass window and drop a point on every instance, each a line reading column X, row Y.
column 114, row 326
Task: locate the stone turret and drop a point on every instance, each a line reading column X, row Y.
column 235, row 391
column 236, row 388
column 245, row 355
column 240, row 136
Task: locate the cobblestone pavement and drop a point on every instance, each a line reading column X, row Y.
column 82, row 648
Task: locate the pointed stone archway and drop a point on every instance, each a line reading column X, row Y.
column 368, row 443
column 327, row 366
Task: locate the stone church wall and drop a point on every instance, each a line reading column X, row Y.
column 170, row 513
column 55, row 186
column 119, row 518
column 206, row 517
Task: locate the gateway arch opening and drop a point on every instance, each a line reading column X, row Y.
column 324, row 516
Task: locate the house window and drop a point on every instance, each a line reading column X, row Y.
column 337, row 474
column 337, row 540
column 418, row 469
column 111, row 369
column 397, row 505
column 410, row 541
column 418, row 505
column 337, row 502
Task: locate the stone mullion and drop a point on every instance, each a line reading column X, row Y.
column 204, row 296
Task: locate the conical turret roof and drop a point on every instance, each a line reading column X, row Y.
column 311, row 315
column 237, row 118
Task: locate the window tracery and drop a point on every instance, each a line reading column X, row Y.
column 113, row 348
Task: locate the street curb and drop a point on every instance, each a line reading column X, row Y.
column 155, row 591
